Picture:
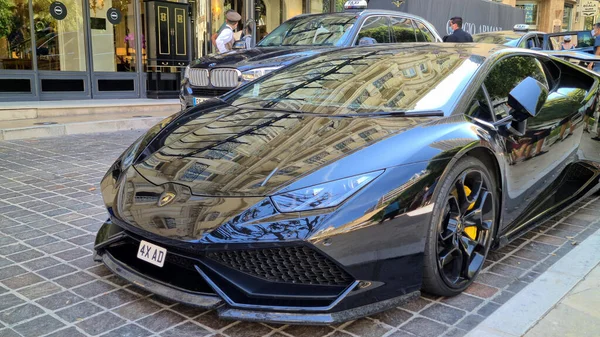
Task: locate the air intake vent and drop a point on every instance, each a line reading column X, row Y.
column 300, row 265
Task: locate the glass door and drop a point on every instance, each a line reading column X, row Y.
column 113, row 49
column 60, row 46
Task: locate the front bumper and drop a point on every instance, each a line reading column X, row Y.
column 196, row 281
column 187, row 93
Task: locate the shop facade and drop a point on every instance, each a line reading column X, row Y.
column 86, row 49
column 558, row 15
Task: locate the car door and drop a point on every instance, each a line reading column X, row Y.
column 534, row 160
column 374, row 30
column 402, row 29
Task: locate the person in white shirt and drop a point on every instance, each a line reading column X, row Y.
column 225, row 40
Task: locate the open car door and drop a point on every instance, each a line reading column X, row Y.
column 580, row 58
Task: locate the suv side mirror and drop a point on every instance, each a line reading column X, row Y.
column 239, row 44
column 527, row 99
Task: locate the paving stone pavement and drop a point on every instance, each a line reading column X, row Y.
column 51, row 207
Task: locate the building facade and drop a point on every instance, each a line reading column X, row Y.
column 558, row 15
column 83, row 49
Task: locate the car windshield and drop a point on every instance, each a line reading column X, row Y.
column 321, row 30
column 510, row 40
column 373, row 79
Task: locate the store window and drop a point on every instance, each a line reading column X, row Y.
column 531, row 10
column 15, row 37
column 60, row 43
column 113, row 41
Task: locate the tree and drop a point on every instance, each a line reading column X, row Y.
column 6, row 17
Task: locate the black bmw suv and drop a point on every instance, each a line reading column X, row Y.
column 296, row 39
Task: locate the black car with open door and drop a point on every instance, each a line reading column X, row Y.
column 346, row 183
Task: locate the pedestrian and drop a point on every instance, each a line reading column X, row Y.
column 596, row 66
column 458, row 35
column 213, row 37
column 226, row 39
column 567, row 44
column 247, row 37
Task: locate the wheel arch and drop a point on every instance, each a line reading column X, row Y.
column 483, row 152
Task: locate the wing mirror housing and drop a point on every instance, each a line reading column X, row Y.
column 239, row 44
column 527, row 99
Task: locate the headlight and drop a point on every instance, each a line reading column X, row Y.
column 325, row 195
column 253, row 74
column 186, row 72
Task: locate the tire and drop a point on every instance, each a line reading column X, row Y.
column 458, row 239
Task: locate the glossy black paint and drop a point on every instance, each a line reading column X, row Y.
column 218, row 160
column 264, row 57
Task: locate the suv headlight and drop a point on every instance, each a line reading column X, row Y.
column 251, row 75
column 186, row 72
column 325, row 195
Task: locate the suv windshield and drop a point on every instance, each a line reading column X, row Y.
column 364, row 80
column 322, row 30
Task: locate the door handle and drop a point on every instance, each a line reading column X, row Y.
column 172, row 31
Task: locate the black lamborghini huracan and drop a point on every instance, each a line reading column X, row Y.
column 344, row 184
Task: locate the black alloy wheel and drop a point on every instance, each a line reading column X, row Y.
column 462, row 228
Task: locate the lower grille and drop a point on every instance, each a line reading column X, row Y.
column 298, row 264
column 178, row 271
column 209, row 92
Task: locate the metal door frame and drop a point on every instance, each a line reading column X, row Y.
column 94, row 76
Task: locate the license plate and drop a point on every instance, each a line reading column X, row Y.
column 152, row 253
column 198, row 100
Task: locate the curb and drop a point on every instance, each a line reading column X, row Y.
column 58, row 130
column 530, row 305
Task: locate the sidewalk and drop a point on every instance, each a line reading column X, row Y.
column 577, row 314
column 563, row 301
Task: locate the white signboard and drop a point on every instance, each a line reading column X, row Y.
column 589, row 7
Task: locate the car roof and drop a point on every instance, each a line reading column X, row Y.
column 511, row 33
column 364, row 12
column 483, row 50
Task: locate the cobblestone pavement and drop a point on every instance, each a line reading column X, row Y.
column 50, row 209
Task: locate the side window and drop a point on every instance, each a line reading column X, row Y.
column 479, row 108
column 506, row 75
column 374, row 30
column 528, row 43
column 402, row 30
column 423, row 34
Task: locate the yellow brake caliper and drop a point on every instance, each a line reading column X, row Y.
column 471, row 231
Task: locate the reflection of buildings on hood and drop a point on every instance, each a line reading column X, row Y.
column 224, row 156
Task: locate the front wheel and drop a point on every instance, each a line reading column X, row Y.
column 461, row 230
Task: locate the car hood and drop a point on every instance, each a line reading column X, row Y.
column 226, row 151
column 258, row 57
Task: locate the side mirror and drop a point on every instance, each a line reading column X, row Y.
column 527, row 99
column 239, row 44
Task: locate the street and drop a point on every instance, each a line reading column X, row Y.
column 51, row 208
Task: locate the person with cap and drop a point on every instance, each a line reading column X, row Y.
column 567, row 44
column 225, row 39
column 213, row 37
column 458, row 35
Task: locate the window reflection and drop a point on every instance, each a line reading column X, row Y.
column 364, row 80
column 15, row 37
column 60, row 44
